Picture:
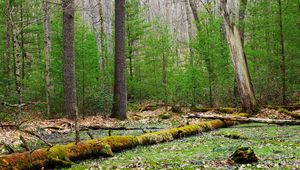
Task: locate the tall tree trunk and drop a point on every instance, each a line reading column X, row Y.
column 70, row 103
column 17, row 64
column 282, row 53
column 120, row 94
column 47, row 46
column 22, row 40
column 97, row 34
column 191, row 52
column 102, row 55
column 8, row 39
column 164, row 81
column 242, row 14
column 195, row 13
column 248, row 101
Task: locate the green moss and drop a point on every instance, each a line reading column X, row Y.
column 118, row 143
column 165, row 116
column 296, row 104
column 233, row 135
column 228, row 110
column 244, row 155
column 282, row 110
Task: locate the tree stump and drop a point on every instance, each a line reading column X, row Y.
column 244, row 155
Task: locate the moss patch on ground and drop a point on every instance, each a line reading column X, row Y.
column 276, row 146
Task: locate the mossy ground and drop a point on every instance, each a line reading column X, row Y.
column 278, row 147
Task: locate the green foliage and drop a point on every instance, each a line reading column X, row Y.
column 198, row 73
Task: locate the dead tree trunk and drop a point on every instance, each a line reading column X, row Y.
column 248, row 101
column 120, row 93
column 47, row 46
column 242, row 14
column 97, row 33
column 70, row 103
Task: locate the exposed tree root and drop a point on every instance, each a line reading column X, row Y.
column 65, row 155
column 245, row 119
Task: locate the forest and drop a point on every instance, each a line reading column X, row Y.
column 149, row 84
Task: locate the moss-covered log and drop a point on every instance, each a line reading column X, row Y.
column 65, row 155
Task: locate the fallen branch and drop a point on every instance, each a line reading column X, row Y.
column 8, row 147
column 24, row 143
column 37, row 135
column 221, row 109
column 58, row 129
column 65, row 155
column 245, row 119
column 98, row 127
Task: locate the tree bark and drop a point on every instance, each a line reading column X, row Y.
column 17, row 64
column 97, row 33
column 70, row 103
column 165, row 81
column 282, row 54
column 195, row 13
column 242, row 76
column 242, row 14
column 102, row 54
column 191, row 52
column 120, row 93
column 245, row 119
column 47, row 46
column 8, row 39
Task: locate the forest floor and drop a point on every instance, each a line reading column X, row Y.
column 276, row 146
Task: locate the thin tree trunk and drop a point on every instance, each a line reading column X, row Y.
column 282, row 53
column 120, row 94
column 70, row 103
column 242, row 14
column 8, row 39
column 248, row 101
column 191, row 52
column 47, row 44
column 97, row 34
column 195, row 13
column 22, row 40
column 102, row 54
column 17, row 65
column 164, row 81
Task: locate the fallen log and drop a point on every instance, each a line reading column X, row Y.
column 65, row 155
column 221, row 109
column 289, row 107
column 97, row 127
column 245, row 119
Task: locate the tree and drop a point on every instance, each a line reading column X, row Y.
column 248, row 101
column 47, row 44
column 282, row 54
column 70, row 103
column 120, row 92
